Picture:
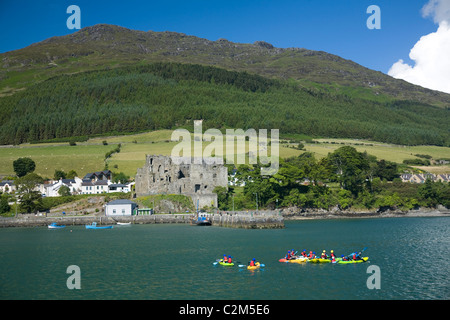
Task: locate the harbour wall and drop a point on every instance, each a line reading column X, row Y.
column 246, row 221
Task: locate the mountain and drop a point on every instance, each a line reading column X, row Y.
column 107, row 46
column 108, row 79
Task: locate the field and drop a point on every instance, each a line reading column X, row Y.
column 89, row 156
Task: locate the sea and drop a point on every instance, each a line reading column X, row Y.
column 408, row 260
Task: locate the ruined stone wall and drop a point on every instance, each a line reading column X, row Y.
column 161, row 175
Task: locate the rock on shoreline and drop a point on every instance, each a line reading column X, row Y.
column 302, row 214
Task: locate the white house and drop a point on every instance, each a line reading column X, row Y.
column 121, row 207
column 120, row 187
column 7, row 186
column 52, row 189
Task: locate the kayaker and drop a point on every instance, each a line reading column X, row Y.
column 304, row 254
column 310, row 255
column 225, row 259
column 356, row 256
column 324, row 255
column 344, row 258
column 252, row 263
column 229, row 260
column 332, row 255
column 288, row 255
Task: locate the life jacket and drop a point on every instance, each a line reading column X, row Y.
column 354, row 256
column 229, row 260
column 252, row 263
column 311, row 255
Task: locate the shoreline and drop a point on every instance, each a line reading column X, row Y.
column 338, row 214
column 253, row 220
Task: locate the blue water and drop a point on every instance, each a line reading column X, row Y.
column 176, row 261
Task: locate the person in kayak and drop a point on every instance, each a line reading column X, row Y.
column 229, row 260
column 332, row 255
column 288, row 255
column 252, row 263
column 304, row 254
column 311, row 255
column 324, row 255
column 356, row 256
column 225, row 259
column 344, row 258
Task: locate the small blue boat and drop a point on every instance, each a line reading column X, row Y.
column 94, row 226
column 53, row 225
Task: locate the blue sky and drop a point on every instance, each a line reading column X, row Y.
column 334, row 26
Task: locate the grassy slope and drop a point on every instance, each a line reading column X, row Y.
column 89, row 156
column 107, row 46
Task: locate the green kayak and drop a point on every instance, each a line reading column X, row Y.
column 353, row 261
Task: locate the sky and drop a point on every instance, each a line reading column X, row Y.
column 339, row 27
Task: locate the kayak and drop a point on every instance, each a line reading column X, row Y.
column 364, row 259
column 256, row 266
column 283, row 260
column 319, row 260
column 298, row 260
column 226, row 263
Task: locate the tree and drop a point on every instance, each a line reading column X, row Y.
column 71, row 174
column 349, row 168
column 4, row 206
column 222, row 197
column 59, row 174
column 64, row 191
column 122, row 177
column 386, row 170
column 30, row 199
column 23, row 166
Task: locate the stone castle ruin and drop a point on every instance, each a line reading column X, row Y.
column 162, row 175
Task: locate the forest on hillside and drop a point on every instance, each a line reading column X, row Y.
column 171, row 95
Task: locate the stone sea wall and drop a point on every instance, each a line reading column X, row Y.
column 247, row 221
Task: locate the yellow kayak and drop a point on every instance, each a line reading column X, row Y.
column 319, row 260
column 299, row 260
column 256, row 266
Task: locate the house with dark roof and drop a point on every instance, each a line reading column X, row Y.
column 99, row 175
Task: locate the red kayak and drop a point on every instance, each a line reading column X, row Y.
column 283, row 260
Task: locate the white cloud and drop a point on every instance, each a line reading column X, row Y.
column 431, row 53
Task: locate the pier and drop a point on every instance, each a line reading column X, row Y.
column 261, row 220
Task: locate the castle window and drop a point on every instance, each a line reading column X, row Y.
column 197, row 187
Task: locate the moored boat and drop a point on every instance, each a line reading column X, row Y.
column 54, row 225
column 202, row 221
column 94, row 226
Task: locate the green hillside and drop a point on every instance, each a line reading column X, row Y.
column 170, row 95
column 107, row 46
